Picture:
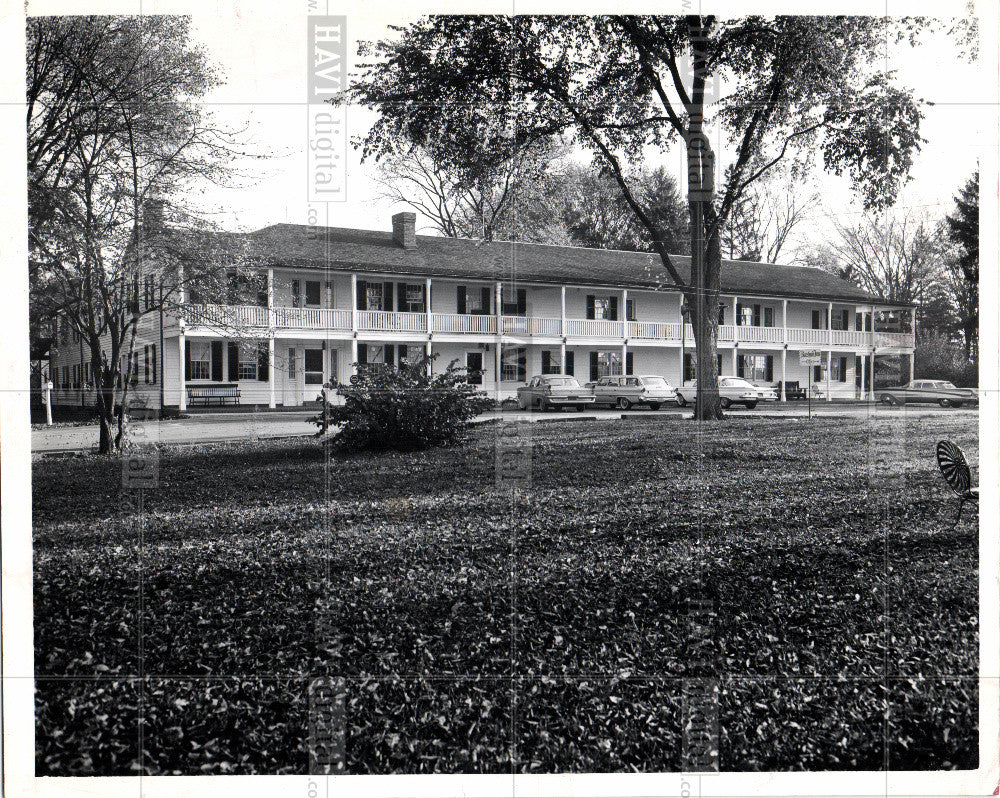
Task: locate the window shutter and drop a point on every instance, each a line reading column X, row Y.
column 362, row 295
column 613, row 308
column 817, row 373
column 145, row 364
column 217, row 361
column 263, row 364
column 401, row 296
column 486, row 301
column 569, row 363
column 152, row 351
column 756, row 315
column 843, row 368
column 522, row 364
column 630, row 310
column 362, row 354
column 740, row 370
column 769, row 368
column 296, row 294
column 768, row 317
column 739, row 315
column 844, row 315
column 718, row 365
column 387, row 296
column 460, row 301
column 546, row 361
column 590, row 306
column 234, row 361
column 401, row 354
column 389, row 354
column 593, row 355
column 522, row 302
column 629, row 362
column 815, row 320
column 187, row 360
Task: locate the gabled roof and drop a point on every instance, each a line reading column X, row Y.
column 376, row 252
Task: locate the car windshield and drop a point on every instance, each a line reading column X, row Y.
column 734, row 382
column 565, row 382
column 655, row 382
column 947, row 385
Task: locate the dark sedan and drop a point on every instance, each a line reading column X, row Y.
column 938, row 392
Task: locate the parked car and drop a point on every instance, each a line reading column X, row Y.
column 732, row 391
column 928, row 391
column 548, row 391
column 623, row 392
column 768, row 393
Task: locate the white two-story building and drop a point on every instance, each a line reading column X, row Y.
column 331, row 298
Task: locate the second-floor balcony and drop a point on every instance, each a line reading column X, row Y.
column 279, row 319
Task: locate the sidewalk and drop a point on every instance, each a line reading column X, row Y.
column 216, row 427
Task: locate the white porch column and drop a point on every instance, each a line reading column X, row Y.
column 354, row 311
column 871, row 377
column 270, row 371
column 736, row 356
column 354, row 355
column 680, row 315
column 784, row 356
column 624, row 317
column 499, row 317
column 784, row 322
column 427, row 307
column 562, row 315
column 624, row 359
column 736, row 301
column 182, row 402
column 913, row 332
column 863, row 358
column 829, row 359
column 562, row 357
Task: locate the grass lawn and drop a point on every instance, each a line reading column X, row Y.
column 796, row 582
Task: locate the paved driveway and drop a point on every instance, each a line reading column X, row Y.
column 211, row 427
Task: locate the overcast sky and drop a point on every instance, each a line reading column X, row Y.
column 264, row 59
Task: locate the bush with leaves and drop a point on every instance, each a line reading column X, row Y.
column 937, row 357
column 403, row 408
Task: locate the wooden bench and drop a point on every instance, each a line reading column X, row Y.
column 220, row 392
column 792, row 391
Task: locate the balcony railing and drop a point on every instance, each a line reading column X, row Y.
column 237, row 317
column 390, row 321
column 654, row 330
column 311, row 318
column 594, row 328
column 462, row 323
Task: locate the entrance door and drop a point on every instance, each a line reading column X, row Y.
column 293, row 379
column 313, row 372
column 474, row 364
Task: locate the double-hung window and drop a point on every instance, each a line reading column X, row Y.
column 248, row 360
column 513, row 364
column 201, row 360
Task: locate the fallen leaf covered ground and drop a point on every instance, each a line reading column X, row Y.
column 794, row 584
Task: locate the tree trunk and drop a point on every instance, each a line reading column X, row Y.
column 703, row 298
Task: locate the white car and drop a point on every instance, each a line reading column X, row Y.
column 732, row 391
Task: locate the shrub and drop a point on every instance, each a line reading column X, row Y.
column 937, row 357
column 402, row 409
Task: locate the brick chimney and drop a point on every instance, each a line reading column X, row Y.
column 403, row 229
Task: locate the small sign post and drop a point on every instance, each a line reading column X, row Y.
column 810, row 357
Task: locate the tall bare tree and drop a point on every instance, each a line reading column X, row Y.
column 115, row 136
column 764, row 217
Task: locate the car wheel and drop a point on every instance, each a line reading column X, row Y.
column 681, row 401
column 654, row 406
column 887, row 400
column 944, row 402
column 751, row 405
column 521, row 403
column 580, row 408
column 725, row 403
column 623, row 403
